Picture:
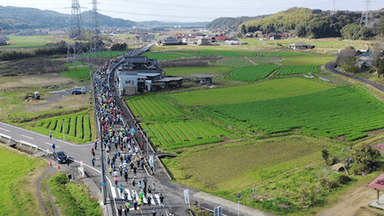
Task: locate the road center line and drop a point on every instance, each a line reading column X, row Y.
column 51, row 145
column 26, row 136
column 5, row 129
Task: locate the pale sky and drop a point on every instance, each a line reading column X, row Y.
column 191, row 11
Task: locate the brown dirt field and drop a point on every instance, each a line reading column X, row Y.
column 69, row 101
column 34, row 80
column 354, row 202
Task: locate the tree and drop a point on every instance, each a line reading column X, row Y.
column 365, row 155
column 325, row 155
column 243, row 30
column 347, row 60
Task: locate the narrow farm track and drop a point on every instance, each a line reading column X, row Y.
column 331, row 68
column 254, row 63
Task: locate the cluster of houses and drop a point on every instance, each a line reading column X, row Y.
column 199, row 38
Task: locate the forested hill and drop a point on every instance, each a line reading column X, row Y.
column 231, row 23
column 317, row 24
column 29, row 18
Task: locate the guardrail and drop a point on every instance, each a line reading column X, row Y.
column 24, row 143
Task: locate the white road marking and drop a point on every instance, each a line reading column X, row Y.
column 113, row 193
column 51, row 145
column 26, row 136
column 5, row 129
column 145, row 200
column 158, row 199
column 129, row 195
column 153, row 200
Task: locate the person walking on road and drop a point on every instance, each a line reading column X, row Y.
column 121, row 188
column 110, row 170
column 93, row 151
column 120, row 211
column 53, row 147
column 133, row 182
column 50, row 134
column 126, row 176
column 135, row 206
column 154, row 187
column 93, row 161
column 127, row 207
column 149, row 201
column 162, row 199
column 140, row 185
column 95, row 145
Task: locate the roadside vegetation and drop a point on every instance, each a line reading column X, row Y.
column 18, row 192
column 72, row 198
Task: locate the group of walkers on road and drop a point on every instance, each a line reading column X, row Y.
column 123, row 156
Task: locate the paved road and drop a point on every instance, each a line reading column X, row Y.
column 331, row 67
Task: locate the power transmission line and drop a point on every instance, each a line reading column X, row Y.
column 366, row 15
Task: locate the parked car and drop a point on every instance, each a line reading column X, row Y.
column 60, row 157
column 75, row 92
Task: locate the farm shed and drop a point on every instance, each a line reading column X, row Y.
column 170, row 41
column 300, row 45
column 203, row 78
column 366, row 59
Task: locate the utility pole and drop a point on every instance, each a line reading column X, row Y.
column 96, row 39
column 333, row 8
column 76, row 32
column 365, row 16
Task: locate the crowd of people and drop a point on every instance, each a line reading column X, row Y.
column 122, row 152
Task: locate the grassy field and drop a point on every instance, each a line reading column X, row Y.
column 32, row 41
column 196, row 70
column 253, row 92
column 17, row 194
column 323, row 44
column 72, row 198
column 236, row 62
column 275, row 166
column 253, row 73
column 308, row 60
column 344, row 111
column 77, row 72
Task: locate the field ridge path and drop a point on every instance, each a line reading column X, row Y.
column 252, row 62
column 49, row 171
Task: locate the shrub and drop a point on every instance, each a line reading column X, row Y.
column 343, row 179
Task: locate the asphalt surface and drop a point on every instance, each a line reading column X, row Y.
column 331, row 67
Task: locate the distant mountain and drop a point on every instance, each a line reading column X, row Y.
column 22, row 18
column 171, row 24
column 231, row 23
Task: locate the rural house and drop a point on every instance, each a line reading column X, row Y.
column 140, row 74
column 300, row 45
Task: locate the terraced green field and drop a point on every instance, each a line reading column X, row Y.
column 77, row 127
column 151, row 107
column 344, row 111
column 305, row 69
column 180, row 134
column 269, row 89
column 253, row 73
